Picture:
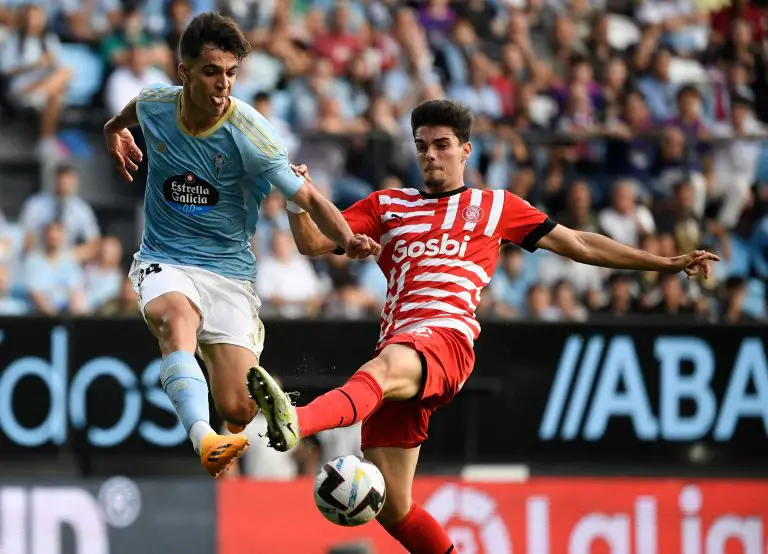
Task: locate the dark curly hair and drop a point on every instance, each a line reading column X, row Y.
column 448, row 113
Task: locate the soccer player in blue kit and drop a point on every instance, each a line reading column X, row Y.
column 212, row 160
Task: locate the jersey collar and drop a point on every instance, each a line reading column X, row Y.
column 210, row 130
column 459, row 190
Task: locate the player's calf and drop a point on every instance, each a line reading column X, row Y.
column 236, row 409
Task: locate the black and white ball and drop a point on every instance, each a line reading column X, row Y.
column 349, row 491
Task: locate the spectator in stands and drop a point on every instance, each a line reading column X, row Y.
column 566, row 304
column 510, row 283
column 732, row 310
column 53, row 277
column 125, row 305
column 132, row 31
column 347, row 298
column 673, row 299
column 539, row 304
column 125, row 83
column 263, row 104
column 625, row 220
column 286, row 281
column 683, row 26
column 620, row 302
column 578, row 213
column 103, row 278
column 10, row 304
column 340, row 43
column 735, row 161
column 630, row 150
column 29, row 63
column 658, row 88
column 65, row 206
column 272, row 218
column 88, row 22
column 679, row 219
column 675, row 163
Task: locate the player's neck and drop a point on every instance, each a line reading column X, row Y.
column 195, row 121
column 443, row 189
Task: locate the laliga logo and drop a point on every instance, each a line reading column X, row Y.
column 444, row 246
column 471, row 519
column 36, row 520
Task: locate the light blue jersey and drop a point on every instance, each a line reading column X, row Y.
column 204, row 191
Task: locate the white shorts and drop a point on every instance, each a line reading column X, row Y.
column 229, row 309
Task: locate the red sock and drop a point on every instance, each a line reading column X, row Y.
column 342, row 407
column 420, row 533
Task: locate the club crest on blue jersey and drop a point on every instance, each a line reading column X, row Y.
column 189, row 194
column 218, row 163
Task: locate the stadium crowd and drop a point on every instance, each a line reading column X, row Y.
column 641, row 120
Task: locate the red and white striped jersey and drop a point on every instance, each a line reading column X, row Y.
column 440, row 250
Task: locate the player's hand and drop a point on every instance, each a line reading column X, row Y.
column 302, row 171
column 123, row 148
column 698, row 262
column 362, row 246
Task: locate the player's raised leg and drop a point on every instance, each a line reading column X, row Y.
column 402, row 518
column 174, row 321
column 394, row 374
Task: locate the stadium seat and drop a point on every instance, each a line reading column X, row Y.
column 754, row 302
column 88, row 71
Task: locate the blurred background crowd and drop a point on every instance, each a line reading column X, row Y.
column 642, row 120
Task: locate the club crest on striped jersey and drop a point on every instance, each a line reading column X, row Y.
column 472, row 214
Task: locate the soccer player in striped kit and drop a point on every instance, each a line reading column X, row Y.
column 439, row 248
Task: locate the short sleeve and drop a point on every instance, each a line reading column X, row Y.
column 522, row 224
column 278, row 171
column 363, row 218
column 263, row 152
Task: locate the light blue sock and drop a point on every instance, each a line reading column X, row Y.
column 184, row 383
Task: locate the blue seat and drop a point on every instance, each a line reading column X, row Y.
column 88, row 73
column 754, row 301
column 762, row 165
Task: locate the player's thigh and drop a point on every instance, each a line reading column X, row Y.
column 398, row 369
column 398, row 466
column 231, row 341
column 169, row 303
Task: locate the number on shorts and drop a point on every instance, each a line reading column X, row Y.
column 149, row 270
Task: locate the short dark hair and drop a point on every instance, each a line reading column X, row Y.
column 261, row 97
column 432, row 113
column 65, row 169
column 213, row 28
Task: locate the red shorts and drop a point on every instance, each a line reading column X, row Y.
column 447, row 361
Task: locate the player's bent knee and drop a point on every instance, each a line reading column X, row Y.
column 398, row 371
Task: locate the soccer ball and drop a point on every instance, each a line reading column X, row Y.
column 349, row 491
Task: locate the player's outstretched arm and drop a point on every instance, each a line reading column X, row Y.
column 326, row 228
column 599, row 250
column 309, row 239
column 120, row 141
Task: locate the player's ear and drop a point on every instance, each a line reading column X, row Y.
column 467, row 150
column 183, row 72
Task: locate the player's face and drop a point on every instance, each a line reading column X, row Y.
column 209, row 80
column 442, row 157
